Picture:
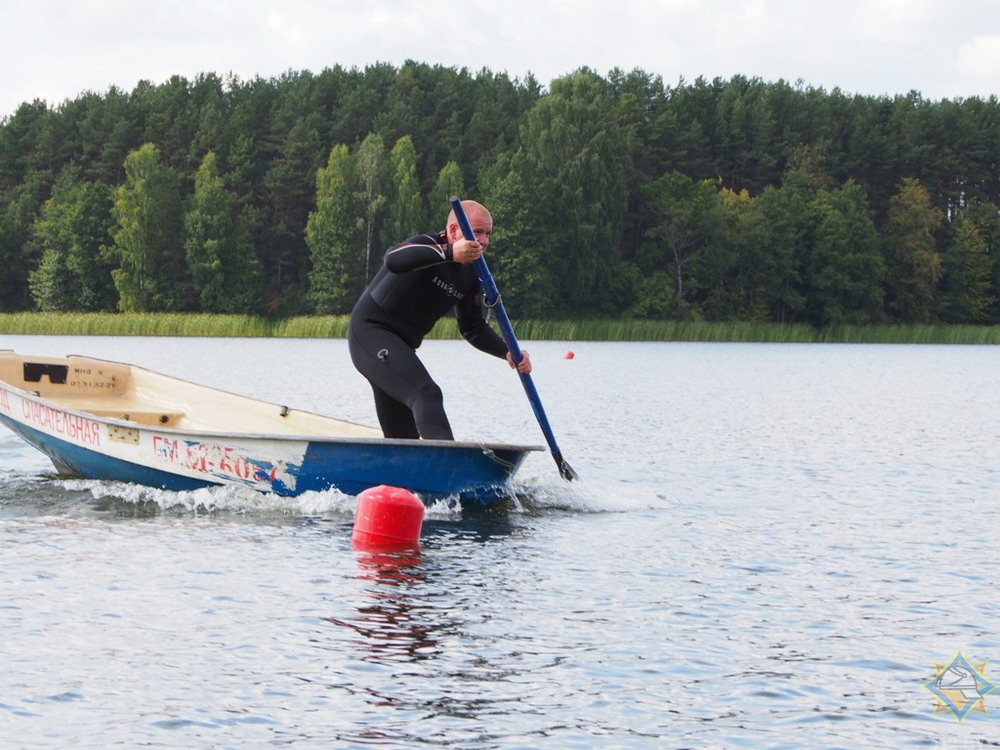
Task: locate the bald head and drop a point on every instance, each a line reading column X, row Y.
column 479, row 218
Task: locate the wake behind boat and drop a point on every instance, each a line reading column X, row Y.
column 100, row 419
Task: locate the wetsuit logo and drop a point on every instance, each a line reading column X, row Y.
column 450, row 289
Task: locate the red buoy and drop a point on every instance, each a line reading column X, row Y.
column 569, row 355
column 387, row 517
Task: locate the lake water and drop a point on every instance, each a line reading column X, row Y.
column 770, row 546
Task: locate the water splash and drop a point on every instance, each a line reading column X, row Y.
column 221, row 498
column 600, row 495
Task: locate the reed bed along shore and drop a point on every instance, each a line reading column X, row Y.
column 335, row 326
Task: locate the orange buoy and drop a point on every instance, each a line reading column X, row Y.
column 387, row 517
column 569, row 355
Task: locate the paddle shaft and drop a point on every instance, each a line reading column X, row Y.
column 494, row 302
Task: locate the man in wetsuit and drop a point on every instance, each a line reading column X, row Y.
column 420, row 280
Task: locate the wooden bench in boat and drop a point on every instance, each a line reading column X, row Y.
column 153, row 418
column 85, row 385
column 112, row 390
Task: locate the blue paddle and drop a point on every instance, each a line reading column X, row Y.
column 507, row 331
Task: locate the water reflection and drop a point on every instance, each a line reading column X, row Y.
column 398, row 621
column 390, row 625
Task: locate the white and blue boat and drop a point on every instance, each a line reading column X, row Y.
column 106, row 420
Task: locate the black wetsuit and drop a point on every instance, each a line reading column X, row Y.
column 417, row 284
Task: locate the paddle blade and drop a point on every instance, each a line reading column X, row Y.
column 565, row 470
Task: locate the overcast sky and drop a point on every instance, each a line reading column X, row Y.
column 57, row 49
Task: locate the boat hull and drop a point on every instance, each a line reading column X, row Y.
column 88, row 445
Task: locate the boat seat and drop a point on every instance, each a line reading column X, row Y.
column 154, row 418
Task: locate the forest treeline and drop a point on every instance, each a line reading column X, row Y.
column 613, row 196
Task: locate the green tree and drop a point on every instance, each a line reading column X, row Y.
column 780, row 234
column 520, row 249
column 844, row 267
column 19, row 252
column 286, row 197
column 151, row 274
column 967, row 273
column 448, row 183
column 914, row 265
column 688, row 223
column 208, row 228
column 985, row 217
column 573, row 155
column 405, row 214
column 74, row 234
column 224, row 269
column 775, row 233
column 734, row 278
column 335, row 243
column 371, row 175
column 50, row 283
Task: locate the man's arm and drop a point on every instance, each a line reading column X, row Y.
column 416, row 253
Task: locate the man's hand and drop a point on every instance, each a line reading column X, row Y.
column 466, row 251
column 524, row 366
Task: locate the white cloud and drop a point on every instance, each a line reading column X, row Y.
column 980, row 56
column 976, row 68
column 56, row 49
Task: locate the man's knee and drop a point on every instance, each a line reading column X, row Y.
column 428, row 409
column 430, row 394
